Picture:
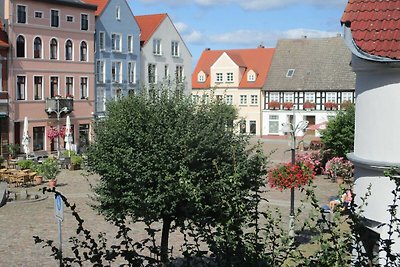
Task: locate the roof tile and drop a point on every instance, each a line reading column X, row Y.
column 375, row 26
column 148, row 24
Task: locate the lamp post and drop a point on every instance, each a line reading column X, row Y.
column 293, row 130
column 58, row 112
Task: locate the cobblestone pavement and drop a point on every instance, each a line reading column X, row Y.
column 20, row 221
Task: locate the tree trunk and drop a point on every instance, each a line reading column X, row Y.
column 164, row 240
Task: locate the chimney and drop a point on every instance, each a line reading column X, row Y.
column 207, row 49
column 261, row 45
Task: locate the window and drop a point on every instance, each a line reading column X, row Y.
column 83, row 52
column 38, row 14
column 179, row 73
column 166, row 71
column 201, row 78
column 347, row 96
column 274, row 97
column 229, row 99
column 219, row 77
column 195, row 99
column 229, row 77
column 83, row 136
column 118, row 13
column 117, row 92
column 116, row 72
column 130, row 44
column 243, row 99
column 273, row 124
column 38, row 138
column 131, row 72
column 254, row 99
column 20, row 46
column 54, row 87
column 157, row 47
column 251, row 76
column 70, row 18
column 38, row 87
column 53, row 49
column 309, row 97
column 21, row 14
column 253, row 127
column 69, row 86
column 206, row 98
column 290, row 73
column 84, row 87
column 84, row 22
column 115, row 42
column 100, row 71
column 21, row 87
column 101, row 100
column 37, row 48
column 55, row 20
column 102, row 41
column 68, row 50
column 288, row 97
column 152, row 73
column 331, row 97
column 242, row 126
column 175, row 49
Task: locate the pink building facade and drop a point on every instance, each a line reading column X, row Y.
column 51, row 70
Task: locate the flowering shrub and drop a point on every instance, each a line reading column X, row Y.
column 308, row 105
column 288, row 105
column 330, row 105
column 313, row 158
column 339, row 166
column 291, row 175
column 274, row 105
column 54, row 133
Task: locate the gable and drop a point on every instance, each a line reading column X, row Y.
column 224, row 61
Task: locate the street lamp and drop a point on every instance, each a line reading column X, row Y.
column 58, row 112
column 293, row 130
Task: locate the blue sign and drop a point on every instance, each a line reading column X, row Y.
column 58, row 208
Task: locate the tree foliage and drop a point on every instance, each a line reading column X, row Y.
column 163, row 158
column 338, row 138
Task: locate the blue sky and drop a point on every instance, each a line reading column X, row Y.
column 229, row 24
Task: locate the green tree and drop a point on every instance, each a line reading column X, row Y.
column 338, row 138
column 162, row 157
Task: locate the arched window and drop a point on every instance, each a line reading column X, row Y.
column 53, row 49
column 68, row 50
column 83, row 51
column 20, row 46
column 37, row 48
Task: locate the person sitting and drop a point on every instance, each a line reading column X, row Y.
column 345, row 200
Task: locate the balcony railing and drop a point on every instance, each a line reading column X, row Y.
column 56, row 104
column 3, row 104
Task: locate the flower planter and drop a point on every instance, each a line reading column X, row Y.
column 38, row 180
column 52, row 183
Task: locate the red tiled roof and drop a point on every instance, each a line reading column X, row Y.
column 101, row 4
column 257, row 59
column 148, row 24
column 374, row 26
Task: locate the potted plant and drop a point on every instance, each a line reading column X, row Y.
column 38, row 177
column 330, row 105
column 288, row 105
column 49, row 170
column 76, row 162
column 13, row 150
column 308, row 105
column 345, row 105
column 25, row 164
column 339, row 169
column 291, row 175
column 274, row 105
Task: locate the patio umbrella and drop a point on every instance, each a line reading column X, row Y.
column 25, row 138
column 318, row 126
column 68, row 135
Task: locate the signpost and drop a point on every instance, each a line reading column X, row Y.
column 59, row 214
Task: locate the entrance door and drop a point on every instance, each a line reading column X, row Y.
column 311, row 123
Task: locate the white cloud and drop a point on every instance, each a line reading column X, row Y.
column 310, row 33
column 181, row 27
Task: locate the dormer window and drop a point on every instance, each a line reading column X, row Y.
column 290, row 73
column 201, row 77
column 251, row 76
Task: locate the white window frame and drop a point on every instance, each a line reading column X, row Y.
column 243, row 100
column 166, row 71
column 118, row 13
column 229, row 77
column 102, row 41
column 16, row 46
column 219, row 77
column 101, row 99
column 72, row 50
column 309, row 97
column 34, row 85
column 132, row 72
column 347, row 96
column 251, row 77
column 24, row 89
column 57, row 48
column 82, row 96
column 26, row 14
column 155, row 72
column 157, row 47
column 175, row 48
column 41, row 47
column 37, row 13
column 290, row 73
column 57, row 92
column 179, row 73
column 86, row 59
column 288, row 97
column 59, row 21
column 229, row 99
column 331, row 97
column 201, row 78
column 130, row 43
column 254, row 99
column 87, row 20
column 273, row 119
column 100, row 71
column 116, row 44
column 274, row 96
column 73, row 85
column 116, row 67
